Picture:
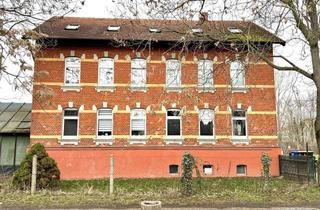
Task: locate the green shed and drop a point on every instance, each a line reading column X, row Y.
column 15, row 119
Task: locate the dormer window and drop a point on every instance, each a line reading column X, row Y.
column 72, row 27
column 234, row 30
column 197, row 30
column 113, row 28
column 154, row 30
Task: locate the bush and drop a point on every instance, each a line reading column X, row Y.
column 188, row 164
column 48, row 174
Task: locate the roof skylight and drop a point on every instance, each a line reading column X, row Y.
column 234, row 30
column 197, row 30
column 154, row 30
column 113, row 28
column 72, row 27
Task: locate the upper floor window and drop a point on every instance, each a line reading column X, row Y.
column 205, row 73
column 72, row 71
column 138, row 72
column 138, row 122
column 70, row 122
column 237, row 74
column 206, row 122
column 106, row 69
column 174, row 122
column 173, row 73
column 239, row 124
column 105, row 121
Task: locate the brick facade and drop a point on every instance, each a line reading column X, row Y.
column 88, row 160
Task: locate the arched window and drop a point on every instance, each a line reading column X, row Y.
column 237, row 74
column 72, row 71
column 205, row 74
column 173, row 73
column 105, row 72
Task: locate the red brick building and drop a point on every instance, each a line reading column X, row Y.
column 147, row 91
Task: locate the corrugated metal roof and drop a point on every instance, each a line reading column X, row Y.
column 15, row 117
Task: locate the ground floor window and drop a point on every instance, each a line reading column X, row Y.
column 70, row 122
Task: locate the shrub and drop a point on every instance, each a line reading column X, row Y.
column 48, row 174
column 265, row 160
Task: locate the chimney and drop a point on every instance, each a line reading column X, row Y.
column 204, row 16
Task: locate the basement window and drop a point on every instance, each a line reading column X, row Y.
column 173, row 169
column 241, row 170
column 72, row 27
column 154, row 30
column 207, row 169
column 197, row 30
column 234, row 30
column 113, row 28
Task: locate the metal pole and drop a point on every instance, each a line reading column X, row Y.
column 111, row 173
column 308, row 170
column 34, row 174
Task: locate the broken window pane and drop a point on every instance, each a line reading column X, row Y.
column 105, row 122
column 206, row 122
column 138, row 122
column 72, row 71
column 205, row 73
column 237, row 73
column 173, row 73
column 138, row 72
column 106, row 69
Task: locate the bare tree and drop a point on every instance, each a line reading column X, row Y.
column 17, row 45
column 296, row 21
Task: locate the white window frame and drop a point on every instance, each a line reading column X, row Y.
column 143, row 86
column 174, row 138
column 70, row 139
column 104, row 139
column 65, row 71
column 245, row 170
column 168, row 86
column 239, row 70
column 204, row 138
column 239, row 139
column 102, row 87
column 210, row 84
column 135, row 138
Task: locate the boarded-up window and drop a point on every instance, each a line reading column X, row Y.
column 106, row 69
column 206, row 119
column 173, row 73
column 138, row 72
column 7, row 150
column 72, row 71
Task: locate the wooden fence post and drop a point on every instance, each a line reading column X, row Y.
column 34, row 174
column 111, row 173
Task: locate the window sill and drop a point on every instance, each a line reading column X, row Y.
column 102, row 88
column 104, row 140
column 173, row 140
column 207, row 140
column 67, row 87
column 239, row 89
column 206, row 89
column 135, row 88
column 74, row 140
column 138, row 140
column 243, row 140
column 173, row 89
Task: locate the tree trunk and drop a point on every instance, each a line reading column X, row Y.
column 317, row 124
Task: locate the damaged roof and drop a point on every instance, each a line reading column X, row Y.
column 154, row 29
column 15, row 117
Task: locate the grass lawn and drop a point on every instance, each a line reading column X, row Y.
column 129, row 193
